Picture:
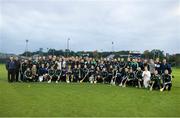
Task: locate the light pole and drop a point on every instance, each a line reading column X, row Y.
column 53, row 51
column 26, row 50
column 68, row 49
column 112, row 46
column 68, row 43
column 47, row 51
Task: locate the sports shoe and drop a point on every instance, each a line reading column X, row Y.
column 151, row 89
column 68, row 81
column 167, row 87
column 49, row 81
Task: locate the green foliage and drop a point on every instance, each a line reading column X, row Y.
column 175, row 59
column 153, row 54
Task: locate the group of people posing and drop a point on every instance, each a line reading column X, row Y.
column 135, row 72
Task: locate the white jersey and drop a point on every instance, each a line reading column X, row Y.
column 146, row 78
column 59, row 65
column 64, row 64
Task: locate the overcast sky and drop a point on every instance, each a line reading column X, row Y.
column 90, row 25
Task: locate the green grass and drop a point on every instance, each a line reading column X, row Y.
column 42, row 99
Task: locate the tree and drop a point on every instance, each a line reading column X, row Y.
column 157, row 54
column 147, row 54
column 28, row 54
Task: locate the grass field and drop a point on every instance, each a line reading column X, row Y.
column 42, row 99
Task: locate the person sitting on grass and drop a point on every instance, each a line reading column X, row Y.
column 131, row 77
column 42, row 73
column 166, row 79
column 34, row 73
column 104, row 75
column 69, row 77
column 110, row 73
column 76, row 73
column 28, row 75
column 92, row 75
column 146, row 77
column 58, row 73
column 118, row 77
column 139, row 77
column 98, row 78
column 124, row 77
column 155, row 80
column 51, row 74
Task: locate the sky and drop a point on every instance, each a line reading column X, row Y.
column 90, row 24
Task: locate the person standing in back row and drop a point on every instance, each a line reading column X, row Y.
column 10, row 67
column 165, row 66
column 17, row 69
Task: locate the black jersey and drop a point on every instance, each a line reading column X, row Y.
column 158, row 67
column 24, row 66
column 58, row 72
column 124, row 74
column 110, row 71
column 84, row 71
column 131, row 75
column 75, row 71
column 122, row 64
column 104, row 74
column 97, row 73
column 166, row 78
column 28, row 73
column 63, row 71
column 92, row 72
column 139, row 74
column 155, row 77
column 51, row 72
column 129, row 64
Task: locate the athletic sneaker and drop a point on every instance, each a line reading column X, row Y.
column 151, row 89
column 68, row 81
column 49, row 81
column 167, row 87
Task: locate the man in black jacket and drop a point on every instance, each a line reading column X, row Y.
column 18, row 65
column 165, row 66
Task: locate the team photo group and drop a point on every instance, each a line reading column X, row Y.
column 134, row 72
